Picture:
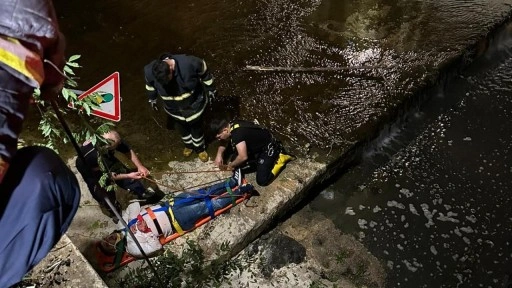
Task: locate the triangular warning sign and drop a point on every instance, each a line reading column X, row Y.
column 109, row 98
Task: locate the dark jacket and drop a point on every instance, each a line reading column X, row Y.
column 257, row 138
column 184, row 96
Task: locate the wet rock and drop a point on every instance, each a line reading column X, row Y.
column 278, row 251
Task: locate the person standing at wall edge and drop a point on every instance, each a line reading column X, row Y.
column 39, row 194
column 185, row 85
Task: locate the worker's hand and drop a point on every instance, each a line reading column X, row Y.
column 211, row 92
column 143, row 171
column 226, row 167
column 218, row 161
column 153, row 105
column 134, row 175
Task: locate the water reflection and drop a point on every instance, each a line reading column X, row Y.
column 438, row 212
column 326, row 109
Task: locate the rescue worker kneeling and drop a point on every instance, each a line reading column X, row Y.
column 253, row 145
column 150, row 223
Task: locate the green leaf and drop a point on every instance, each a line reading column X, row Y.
column 87, row 109
column 73, row 64
column 71, row 82
column 68, row 70
column 74, row 57
column 65, row 94
column 73, row 96
column 46, row 130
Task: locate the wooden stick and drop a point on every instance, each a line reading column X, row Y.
column 307, row 69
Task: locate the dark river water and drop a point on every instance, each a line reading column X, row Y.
column 431, row 198
column 406, row 40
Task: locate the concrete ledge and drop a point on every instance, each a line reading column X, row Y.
column 242, row 224
column 65, row 266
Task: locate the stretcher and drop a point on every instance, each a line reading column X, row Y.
column 107, row 263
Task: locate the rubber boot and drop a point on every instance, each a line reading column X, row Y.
column 187, row 152
column 203, row 156
column 281, row 161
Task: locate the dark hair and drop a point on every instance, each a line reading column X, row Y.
column 216, row 125
column 161, row 71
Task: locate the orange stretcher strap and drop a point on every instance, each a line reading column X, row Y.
column 153, row 217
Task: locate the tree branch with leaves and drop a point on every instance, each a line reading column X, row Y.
column 53, row 132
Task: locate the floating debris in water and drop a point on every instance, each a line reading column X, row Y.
column 429, row 215
column 471, row 218
column 413, row 210
column 327, row 194
column 390, row 264
column 349, row 211
column 393, row 203
column 409, row 266
column 467, row 229
column 406, row 192
column 489, row 242
column 362, row 223
column 448, row 217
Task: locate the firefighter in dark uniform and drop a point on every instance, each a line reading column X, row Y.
column 185, row 85
column 253, row 145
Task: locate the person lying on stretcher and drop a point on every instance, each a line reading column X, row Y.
column 148, row 223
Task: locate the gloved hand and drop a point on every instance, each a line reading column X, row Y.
column 153, row 105
column 211, row 92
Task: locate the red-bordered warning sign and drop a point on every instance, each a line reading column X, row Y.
column 109, row 98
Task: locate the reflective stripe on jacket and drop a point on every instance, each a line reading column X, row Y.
column 21, row 62
column 34, row 24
